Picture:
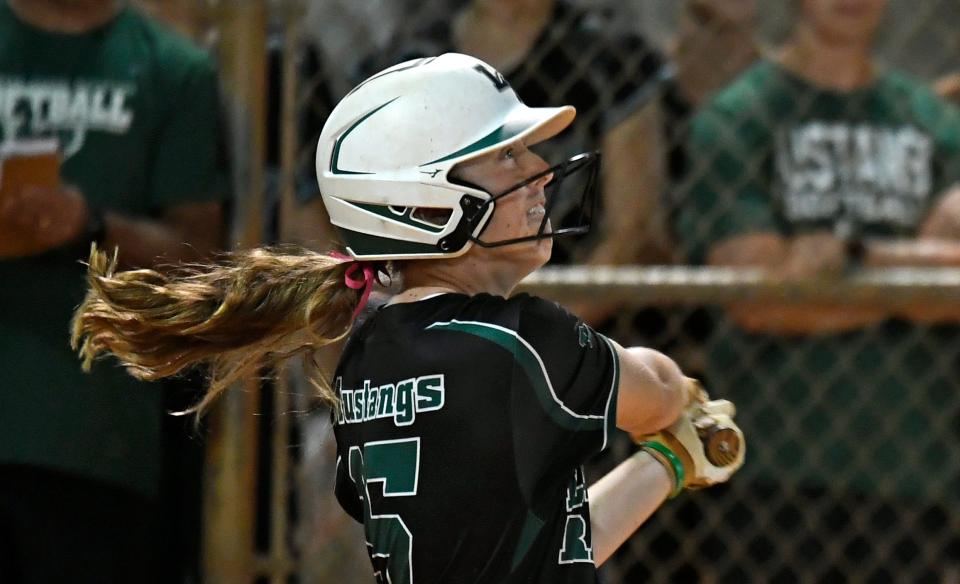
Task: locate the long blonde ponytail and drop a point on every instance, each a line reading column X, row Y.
column 254, row 308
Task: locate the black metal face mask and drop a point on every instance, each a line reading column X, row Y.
column 570, row 201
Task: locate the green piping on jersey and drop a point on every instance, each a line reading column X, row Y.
column 610, row 413
column 335, row 159
column 405, row 217
column 494, row 137
column 533, row 367
column 528, row 534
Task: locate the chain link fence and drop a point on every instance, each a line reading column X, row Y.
column 851, row 473
column 854, row 464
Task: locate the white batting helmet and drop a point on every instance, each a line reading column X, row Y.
column 385, row 153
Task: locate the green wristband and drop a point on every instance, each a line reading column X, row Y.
column 674, row 461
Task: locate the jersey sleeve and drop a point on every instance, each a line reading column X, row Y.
column 564, row 395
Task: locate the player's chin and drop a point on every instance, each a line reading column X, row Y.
column 544, row 248
column 536, row 251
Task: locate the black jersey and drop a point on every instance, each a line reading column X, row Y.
column 462, row 426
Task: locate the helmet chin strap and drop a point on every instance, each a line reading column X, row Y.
column 588, row 162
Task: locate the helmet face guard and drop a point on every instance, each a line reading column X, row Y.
column 566, row 211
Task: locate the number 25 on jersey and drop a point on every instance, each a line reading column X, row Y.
column 396, row 465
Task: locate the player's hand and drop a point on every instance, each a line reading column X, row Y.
column 696, row 393
column 702, row 448
column 36, row 219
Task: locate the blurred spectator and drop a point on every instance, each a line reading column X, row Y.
column 134, row 111
column 552, row 51
column 188, row 17
column 715, row 42
column 344, row 32
column 810, row 163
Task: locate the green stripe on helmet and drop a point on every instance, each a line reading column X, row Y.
column 335, row 159
column 494, row 137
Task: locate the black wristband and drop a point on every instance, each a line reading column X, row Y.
column 856, row 251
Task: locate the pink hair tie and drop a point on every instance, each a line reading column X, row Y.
column 365, row 283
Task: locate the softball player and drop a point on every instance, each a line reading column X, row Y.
column 462, row 413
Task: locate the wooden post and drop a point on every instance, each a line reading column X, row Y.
column 231, row 467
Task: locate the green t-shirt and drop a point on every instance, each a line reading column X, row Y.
column 135, row 110
column 867, row 410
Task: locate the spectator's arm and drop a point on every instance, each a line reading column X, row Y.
column 933, row 252
column 39, row 219
column 938, row 245
column 805, row 256
column 184, row 232
column 634, row 223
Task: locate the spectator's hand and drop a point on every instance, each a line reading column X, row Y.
column 814, row 255
column 943, row 222
column 37, row 219
column 948, row 87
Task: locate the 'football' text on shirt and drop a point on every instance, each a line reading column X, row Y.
column 401, row 400
column 39, row 108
